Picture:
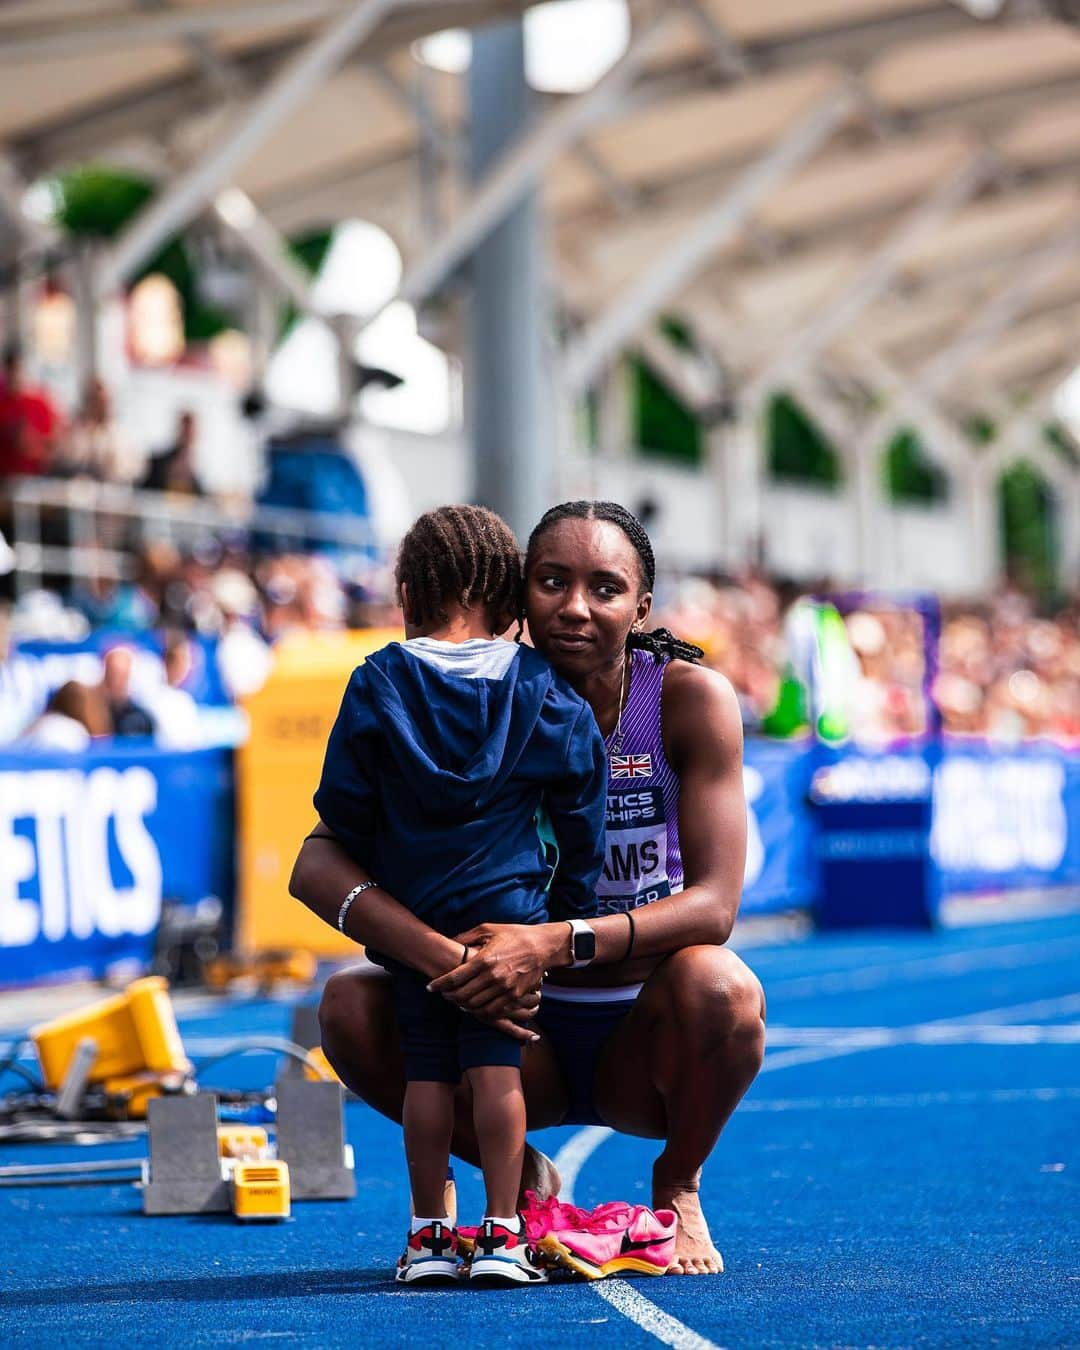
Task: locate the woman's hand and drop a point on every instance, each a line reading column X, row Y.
column 502, row 979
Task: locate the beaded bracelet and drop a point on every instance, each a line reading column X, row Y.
column 346, row 904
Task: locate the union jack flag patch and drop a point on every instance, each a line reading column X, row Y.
column 631, row 766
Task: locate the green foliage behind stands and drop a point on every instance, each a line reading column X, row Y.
column 796, row 450
column 911, row 476
column 663, row 425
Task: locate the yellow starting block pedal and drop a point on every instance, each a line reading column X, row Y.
column 260, row 1191
column 247, row 1143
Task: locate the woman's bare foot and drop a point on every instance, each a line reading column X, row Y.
column 539, row 1174
column 694, row 1250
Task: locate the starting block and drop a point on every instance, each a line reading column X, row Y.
column 184, row 1173
column 311, row 1139
column 193, row 1165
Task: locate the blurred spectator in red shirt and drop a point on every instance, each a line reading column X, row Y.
column 29, row 423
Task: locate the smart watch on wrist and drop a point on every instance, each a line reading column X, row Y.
column 582, row 944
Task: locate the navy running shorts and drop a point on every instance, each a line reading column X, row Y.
column 438, row 1041
column 577, row 1033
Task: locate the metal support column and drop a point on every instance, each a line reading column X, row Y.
column 508, row 401
column 87, row 348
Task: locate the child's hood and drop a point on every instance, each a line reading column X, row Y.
column 456, row 716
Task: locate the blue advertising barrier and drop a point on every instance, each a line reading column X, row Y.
column 871, row 824
column 894, row 831
column 90, row 846
column 1006, row 819
column 779, row 868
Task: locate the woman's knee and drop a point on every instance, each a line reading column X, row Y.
column 717, row 990
column 353, row 1005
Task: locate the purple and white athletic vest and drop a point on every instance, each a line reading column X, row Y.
column 642, row 861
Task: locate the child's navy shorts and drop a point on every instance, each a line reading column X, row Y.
column 439, row 1042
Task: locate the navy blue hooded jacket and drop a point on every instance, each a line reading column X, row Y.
column 437, row 768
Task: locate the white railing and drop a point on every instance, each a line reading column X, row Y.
column 80, row 528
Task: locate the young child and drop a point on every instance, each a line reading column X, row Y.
column 450, row 754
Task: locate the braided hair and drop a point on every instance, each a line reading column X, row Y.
column 460, row 555
column 660, row 642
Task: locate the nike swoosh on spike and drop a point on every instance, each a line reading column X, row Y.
column 629, row 1245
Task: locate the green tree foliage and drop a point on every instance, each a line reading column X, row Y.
column 663, row 425
column 910, row 475
column 98, row 201
column 1026, row 517
column 1061, row 442
column 796, row 450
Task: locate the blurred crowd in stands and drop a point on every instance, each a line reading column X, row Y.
column 1004, row 670
column 36, row 440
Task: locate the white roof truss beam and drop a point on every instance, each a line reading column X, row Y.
column 189, row 193
column 1001, row 310
column 684, row 372
column 265, row 246
column 876, row 275
column 730, row 55
column 110, row 30
column 721, row 220
column 914, row 395
column 943, row 439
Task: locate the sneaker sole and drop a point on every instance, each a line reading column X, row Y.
column 561, row 1254
column 502, row 1274
column 443, row 1277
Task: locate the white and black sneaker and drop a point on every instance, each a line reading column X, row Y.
column 502, row 1256
column 430, row 1256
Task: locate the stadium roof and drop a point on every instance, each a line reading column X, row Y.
column 839, row 196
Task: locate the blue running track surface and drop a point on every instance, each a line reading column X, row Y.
column 903, row 1173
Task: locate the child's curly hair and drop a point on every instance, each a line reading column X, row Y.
column 461, row 555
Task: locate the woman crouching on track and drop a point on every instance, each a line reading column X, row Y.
column 649, row 1024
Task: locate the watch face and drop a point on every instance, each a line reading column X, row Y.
column 584, row 945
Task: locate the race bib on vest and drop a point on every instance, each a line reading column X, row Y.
column 635, row 857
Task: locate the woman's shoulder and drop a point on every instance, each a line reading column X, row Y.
column 697, row 705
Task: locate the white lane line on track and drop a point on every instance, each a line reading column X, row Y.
column 624, row 1298
column 900, row 1100
column 786, row 1059
column 1061, row 1006
column 1046, row 952
column 930, row 1034
column 574, row 1154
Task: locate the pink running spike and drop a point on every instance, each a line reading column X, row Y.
column 615, row 1238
